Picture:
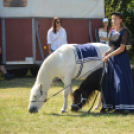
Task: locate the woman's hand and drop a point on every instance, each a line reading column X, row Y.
column 105, row 59
column 102, row 38
column 104, row 55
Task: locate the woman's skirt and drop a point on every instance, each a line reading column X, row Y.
column 118, row 92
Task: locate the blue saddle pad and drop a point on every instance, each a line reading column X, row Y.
column 86, row 52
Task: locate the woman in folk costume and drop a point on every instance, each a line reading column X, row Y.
column 118, row 90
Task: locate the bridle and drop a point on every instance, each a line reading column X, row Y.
column 41, row 93
column 85, row 99
column 81, row 101
column 36, row 100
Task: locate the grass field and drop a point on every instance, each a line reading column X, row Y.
column 15, row 119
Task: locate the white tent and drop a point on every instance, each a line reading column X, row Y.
column 51, row 8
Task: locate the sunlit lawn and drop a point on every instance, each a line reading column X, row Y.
column 15, row 119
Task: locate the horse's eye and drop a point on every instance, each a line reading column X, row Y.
column 41, row 92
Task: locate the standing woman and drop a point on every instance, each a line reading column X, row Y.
column 56, row 35
column 118, row 91
column 103, row 32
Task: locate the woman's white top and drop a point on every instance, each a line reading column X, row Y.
column 58, row 39
column 104, row 34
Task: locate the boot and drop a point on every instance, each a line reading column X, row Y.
column 9, row 76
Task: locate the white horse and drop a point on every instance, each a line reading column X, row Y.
column 60, row 64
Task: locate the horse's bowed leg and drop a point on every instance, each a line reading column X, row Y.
column 67, row 88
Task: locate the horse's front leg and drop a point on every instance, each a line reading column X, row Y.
column 67, row 88
column 99, row 101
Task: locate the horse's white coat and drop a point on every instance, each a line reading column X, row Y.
column 60, row 64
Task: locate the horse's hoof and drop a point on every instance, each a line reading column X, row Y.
column 84, row 112
column 63, row 111
column 96, row 108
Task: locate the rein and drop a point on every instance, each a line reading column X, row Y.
column 103, row 72
column 75, row 80
column 76, row 105
column 82, row 99
column 51, row 96
column 65, row 87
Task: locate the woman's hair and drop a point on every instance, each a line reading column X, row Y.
column 54, row 24
column 102, row 25
column 123, row 25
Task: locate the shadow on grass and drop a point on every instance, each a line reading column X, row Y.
column 26, row 81
column 89, row 114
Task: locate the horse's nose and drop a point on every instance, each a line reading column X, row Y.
column 74, row 109
column 33, row 110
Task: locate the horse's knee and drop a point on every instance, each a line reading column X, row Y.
column 66, row 91
column 65, row 95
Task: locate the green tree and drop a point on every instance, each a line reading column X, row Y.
column 130, row 8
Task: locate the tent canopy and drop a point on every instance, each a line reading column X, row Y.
column 51, row 8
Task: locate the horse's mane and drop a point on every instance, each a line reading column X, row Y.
column 45, row 67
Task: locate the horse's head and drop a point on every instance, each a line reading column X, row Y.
column 37, row 98
column 78, row 99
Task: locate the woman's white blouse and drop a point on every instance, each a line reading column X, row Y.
column 104, row 34
column 58, row 39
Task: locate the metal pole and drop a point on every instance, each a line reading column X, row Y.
column 39, row 41
column 3, row 41
column 90, row 31
column 33, row 40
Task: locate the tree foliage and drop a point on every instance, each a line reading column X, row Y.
column 130, row 8
column 126, row 7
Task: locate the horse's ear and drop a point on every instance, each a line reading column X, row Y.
column 40, row 86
